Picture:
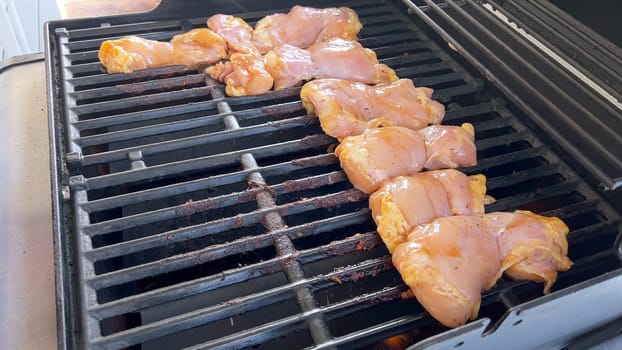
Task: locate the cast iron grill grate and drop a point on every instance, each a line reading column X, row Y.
column 203, row 221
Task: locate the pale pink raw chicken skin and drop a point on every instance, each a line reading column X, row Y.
column 533, row 247
column 128, row 54
column 305, row 26
column 245, row 72
column 347, row 108
column 335, row 58
column 449, row 146
column 380, row 154
column 404, row 202
column 447, row 264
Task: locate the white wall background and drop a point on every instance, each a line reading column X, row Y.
column 21, row 25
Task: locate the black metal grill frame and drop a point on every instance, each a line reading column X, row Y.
column 524, row 172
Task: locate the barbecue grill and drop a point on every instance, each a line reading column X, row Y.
column 187, row 219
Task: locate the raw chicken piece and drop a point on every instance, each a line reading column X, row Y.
column 235, row 31
column 305, row 26
column 196, row 47
column 449, row 146
column 377, row 155
column 447, row 264
column 335, row 58
column 245, row 72
column 407, row 201
column 533, row 247
column 347, row 108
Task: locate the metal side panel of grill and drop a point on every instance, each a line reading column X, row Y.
column 188, row 219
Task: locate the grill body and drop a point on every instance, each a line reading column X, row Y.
column 188, row 219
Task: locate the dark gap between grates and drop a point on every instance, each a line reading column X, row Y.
column 374, row 314
column 531, row 161
column 359, row 284
column 143, row 29
column 483, row 153
column 171, row 200
column 121, row 91
column 175, row 126
column 161, row 181
column 236, row 144
column 139, row 104
column 294, row 195
column 327, row 212
column 325, row 238
column 104, row 80
column 172, row 249
column 223, row 328
column 154, row 282
column 577, row 222
column 331, row 166
column 189, row 303
column 528, row 185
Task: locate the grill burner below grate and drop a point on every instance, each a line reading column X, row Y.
column 205, row 221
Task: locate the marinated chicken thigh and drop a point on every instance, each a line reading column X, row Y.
column 335, row 58
column 533, row 247
column 245, row 72
column 447, row 264
column 407, row 201
column 380, row 154
column 449, row 146
column 347, row 108
column 305, row 26
column 196, row 47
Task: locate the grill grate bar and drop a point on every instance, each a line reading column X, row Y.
column 113, row 136
column 212, row 181
column 212, row 227
column 139, row 88
column 234, row 306
column 196, row 257
column 468, row 111
column 192, row 141
column 380, row 331
column 521, row 176
column 285, row 247
column 593, row 232
column 273, row 221
column 161, row 33
column 252, row 336
column 144, row 28
column 125, row 118
column 504, row 159
column 147, row 100
column 505, row 204
column 505, row 139
column 242, row 274
column 445, row 95
column 573, row 209
column 203, row 163
column 98, row 78
column 489, row 125
column 384, row 40
column 436, row 79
